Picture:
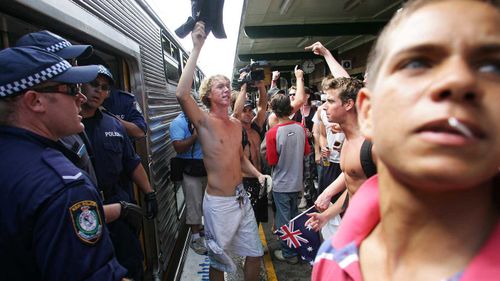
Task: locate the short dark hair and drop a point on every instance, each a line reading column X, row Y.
column 280, row 104
column 378, row 51
column 349, row 87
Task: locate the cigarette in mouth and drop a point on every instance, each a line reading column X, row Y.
column 460, row 127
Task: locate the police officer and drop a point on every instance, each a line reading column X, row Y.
column 121, row 104
column 116, row 163
column 51, row 222
column 80, row 150
column 54, row 43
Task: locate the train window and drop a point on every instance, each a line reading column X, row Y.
column 171, row 60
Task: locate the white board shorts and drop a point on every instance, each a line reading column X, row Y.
column 230, row 226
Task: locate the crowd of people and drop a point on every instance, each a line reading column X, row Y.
column 416, row 125
column 403, row 168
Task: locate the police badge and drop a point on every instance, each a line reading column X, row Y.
column 86, row 221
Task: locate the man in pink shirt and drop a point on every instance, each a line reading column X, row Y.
column 431, row 110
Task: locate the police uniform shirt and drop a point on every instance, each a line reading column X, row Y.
column 125, row 106
column 114, row 156
column 51, row 219
column 81, row 156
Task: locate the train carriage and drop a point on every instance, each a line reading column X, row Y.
column 147, row 61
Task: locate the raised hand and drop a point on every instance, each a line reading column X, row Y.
column 299, row 74
column 198, row 34
column 318, row 49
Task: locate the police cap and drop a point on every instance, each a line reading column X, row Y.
column 55, row 44
column 25, row 67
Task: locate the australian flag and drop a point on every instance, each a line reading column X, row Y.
column 301, row 238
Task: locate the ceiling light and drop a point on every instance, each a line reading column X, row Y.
column 285, row 6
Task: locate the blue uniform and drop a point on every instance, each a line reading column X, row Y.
column 114, row 156
column 115, row 160
column 81, row 155
column 51, row 219
column 125, row 106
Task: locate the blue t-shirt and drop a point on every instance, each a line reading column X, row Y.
column 51, row 219
column 179, row 131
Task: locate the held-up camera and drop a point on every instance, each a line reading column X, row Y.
column 255, row 72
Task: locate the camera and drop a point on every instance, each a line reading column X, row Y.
column 255, row 72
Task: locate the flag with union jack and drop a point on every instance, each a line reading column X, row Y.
column 301, row 238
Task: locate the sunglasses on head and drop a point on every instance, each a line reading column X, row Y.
column 71, row 89
column 103, row 87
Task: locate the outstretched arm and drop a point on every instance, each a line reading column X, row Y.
column 241, row 99
column 335, row 67
column 188, row 104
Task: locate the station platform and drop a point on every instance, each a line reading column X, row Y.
column 196, row 266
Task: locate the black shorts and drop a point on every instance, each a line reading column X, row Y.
column 259, row 205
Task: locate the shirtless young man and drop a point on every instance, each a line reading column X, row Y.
column 229, row 219
column 431, row 110
column 340, row 108
column 253, row 124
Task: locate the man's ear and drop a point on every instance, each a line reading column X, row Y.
column 364, row 107
column 33, row 101
column 349, row 105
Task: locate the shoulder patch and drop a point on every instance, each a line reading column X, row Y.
column 66, row 170
column 86, row 221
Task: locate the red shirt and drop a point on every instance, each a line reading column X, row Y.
column 338, row 259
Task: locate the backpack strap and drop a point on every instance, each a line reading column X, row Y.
column 365, row 155
column 244, row 138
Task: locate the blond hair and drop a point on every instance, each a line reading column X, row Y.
column 206, row 85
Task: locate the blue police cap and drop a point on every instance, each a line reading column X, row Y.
column 104, row 71
column 54, row 44
column 25, row 67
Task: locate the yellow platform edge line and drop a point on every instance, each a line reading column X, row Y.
column 268, row 263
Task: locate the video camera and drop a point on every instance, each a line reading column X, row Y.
column 255, row 72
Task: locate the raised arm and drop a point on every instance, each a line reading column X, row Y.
column 260, row 118
column 300, row 95
column 316, row 134
column 183, row 93
column 275, row 78
column 239, row 104
column 335, row 67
